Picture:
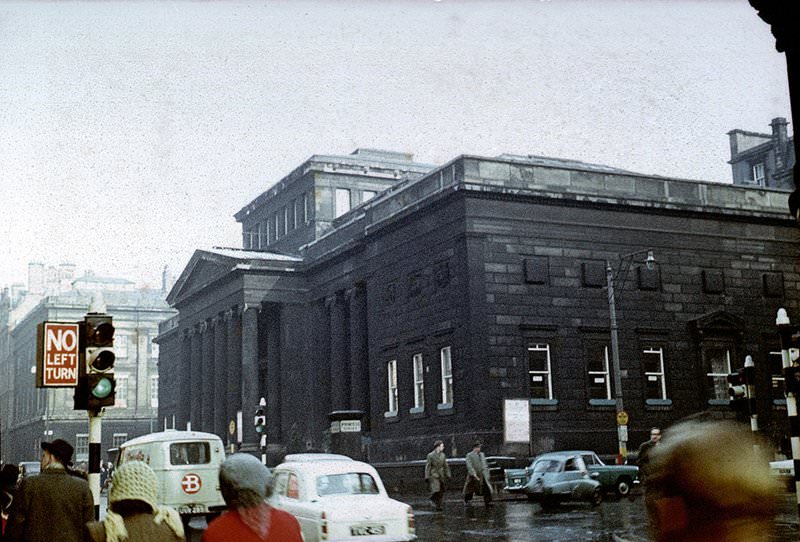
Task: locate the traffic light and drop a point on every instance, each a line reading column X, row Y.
column 260, row 421
column 737, row 388
column 96, row 386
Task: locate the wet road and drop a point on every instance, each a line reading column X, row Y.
column 517, row 520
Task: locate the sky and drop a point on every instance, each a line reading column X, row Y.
column 132, row 132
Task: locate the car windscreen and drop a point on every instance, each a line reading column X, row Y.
column 189, row 453
column 351, row 483
column 547, row 465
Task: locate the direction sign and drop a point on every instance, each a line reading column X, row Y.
column 57, row 354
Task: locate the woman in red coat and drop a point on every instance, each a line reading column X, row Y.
column 245, row 484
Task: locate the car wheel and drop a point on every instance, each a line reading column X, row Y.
column 623, row 486
column 597, row 497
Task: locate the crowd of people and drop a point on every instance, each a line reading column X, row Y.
column 704, row 481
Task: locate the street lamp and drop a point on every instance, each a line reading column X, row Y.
column 611, row 276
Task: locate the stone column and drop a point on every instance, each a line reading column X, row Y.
column 249, row 382
column 234, row 359
column 207, row 409
column 273, row 380
column 359, row 361
column 340, row 349
column 320, row 368
column 220, row 377
column 196, row 377
column 183, row 387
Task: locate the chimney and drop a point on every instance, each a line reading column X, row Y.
column 36, row 278
column 779, row 132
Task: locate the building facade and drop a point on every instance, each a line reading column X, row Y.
column 763, row 159
column 454, row 288
column 32, row 414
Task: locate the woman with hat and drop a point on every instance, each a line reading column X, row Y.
column 245, row 484
column 133, row 511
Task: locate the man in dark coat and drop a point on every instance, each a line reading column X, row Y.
column 643, row 457
column 437, row 472
column 478, row 480
column 53, row 505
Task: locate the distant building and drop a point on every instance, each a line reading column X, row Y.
column 29, row 414
column 417, row 299
column 763, row 159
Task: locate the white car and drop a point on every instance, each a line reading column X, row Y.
column 336, row 498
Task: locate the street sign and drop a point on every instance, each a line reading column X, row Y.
column 57, row 354
column 622, row 418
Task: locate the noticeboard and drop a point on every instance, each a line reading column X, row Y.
column 516, row 420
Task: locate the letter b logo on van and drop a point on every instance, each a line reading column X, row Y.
column 191, row 483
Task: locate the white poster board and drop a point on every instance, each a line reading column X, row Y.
column 516, row 420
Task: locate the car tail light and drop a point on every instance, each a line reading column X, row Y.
column 412, row 526
column 323, row 527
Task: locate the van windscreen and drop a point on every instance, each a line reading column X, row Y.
column 189, row 453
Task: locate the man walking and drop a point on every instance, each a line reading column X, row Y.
column 53, row 505
column 643, row 457
column 477, row 476
column 437, row 472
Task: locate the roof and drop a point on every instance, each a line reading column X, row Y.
column 171, row 435
column 329, row 466
column 242, row 254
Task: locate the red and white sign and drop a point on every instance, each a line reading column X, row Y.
column 191, row 483
column 59, row 354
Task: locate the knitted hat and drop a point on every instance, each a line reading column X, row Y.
column 243, row 471
column 134, row 480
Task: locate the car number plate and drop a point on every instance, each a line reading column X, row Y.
column 192, row 509
column 367, row 530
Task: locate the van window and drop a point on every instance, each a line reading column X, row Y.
column 189, row 453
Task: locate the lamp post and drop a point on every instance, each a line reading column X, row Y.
column 611, row 276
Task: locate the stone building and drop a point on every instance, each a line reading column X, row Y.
column 763, row 159
column 424, row 297
column 32, row 414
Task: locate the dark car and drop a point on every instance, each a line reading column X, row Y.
column 555, row 477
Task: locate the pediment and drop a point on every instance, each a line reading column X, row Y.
column 203, row 268
column 717, row 322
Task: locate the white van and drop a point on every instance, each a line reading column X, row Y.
column 187, row 466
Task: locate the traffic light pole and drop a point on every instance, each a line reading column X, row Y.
column 95, row 441
column 786, row 330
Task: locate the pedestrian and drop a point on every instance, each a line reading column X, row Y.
column 437, row 473
column 133, row 512
column 9, row 480
column 52, row 505
column 709, row 481
column 478, row 479
column 645, row 447
column 245, row 485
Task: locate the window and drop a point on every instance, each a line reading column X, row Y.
column 266, row 229
column 118, row 439
column 758, row 174
column 419, row 382
column 718, row 362
column 653, row 364
column 286, row 221
column 539, row 371
column 292, row 487
column 447, row 376
column 306, row 210
column 121, row 391
column 342, row 201
column 298, row 218
column 154, row 391
column 351, row 483
column 599, row 383
column 391, row 375
column 367, row 195
column 189, row 453
column 276, row 219
column 81, row 446
column 259, row 236
column 121, row 345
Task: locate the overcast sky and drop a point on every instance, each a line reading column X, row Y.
column 131, row 132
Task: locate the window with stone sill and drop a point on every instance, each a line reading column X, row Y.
column 653, row 367
column 447, row 377
column 419, row 383
column 539, row 375
column 391, row 377
column 718, row 367
column 599, row 383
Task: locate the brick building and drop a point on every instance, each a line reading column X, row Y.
column 425, row 296
column 763, row 159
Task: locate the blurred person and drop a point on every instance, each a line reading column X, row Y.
column 10, row 475
column 709, row 481
column 245, row 485
column 133, row 512
column 437, row 473
column 478, row 479
column 643, row 457
column 53, row 505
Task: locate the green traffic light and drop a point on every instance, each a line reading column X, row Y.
column 103, row 388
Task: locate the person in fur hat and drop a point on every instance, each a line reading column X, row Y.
column 133, row 511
